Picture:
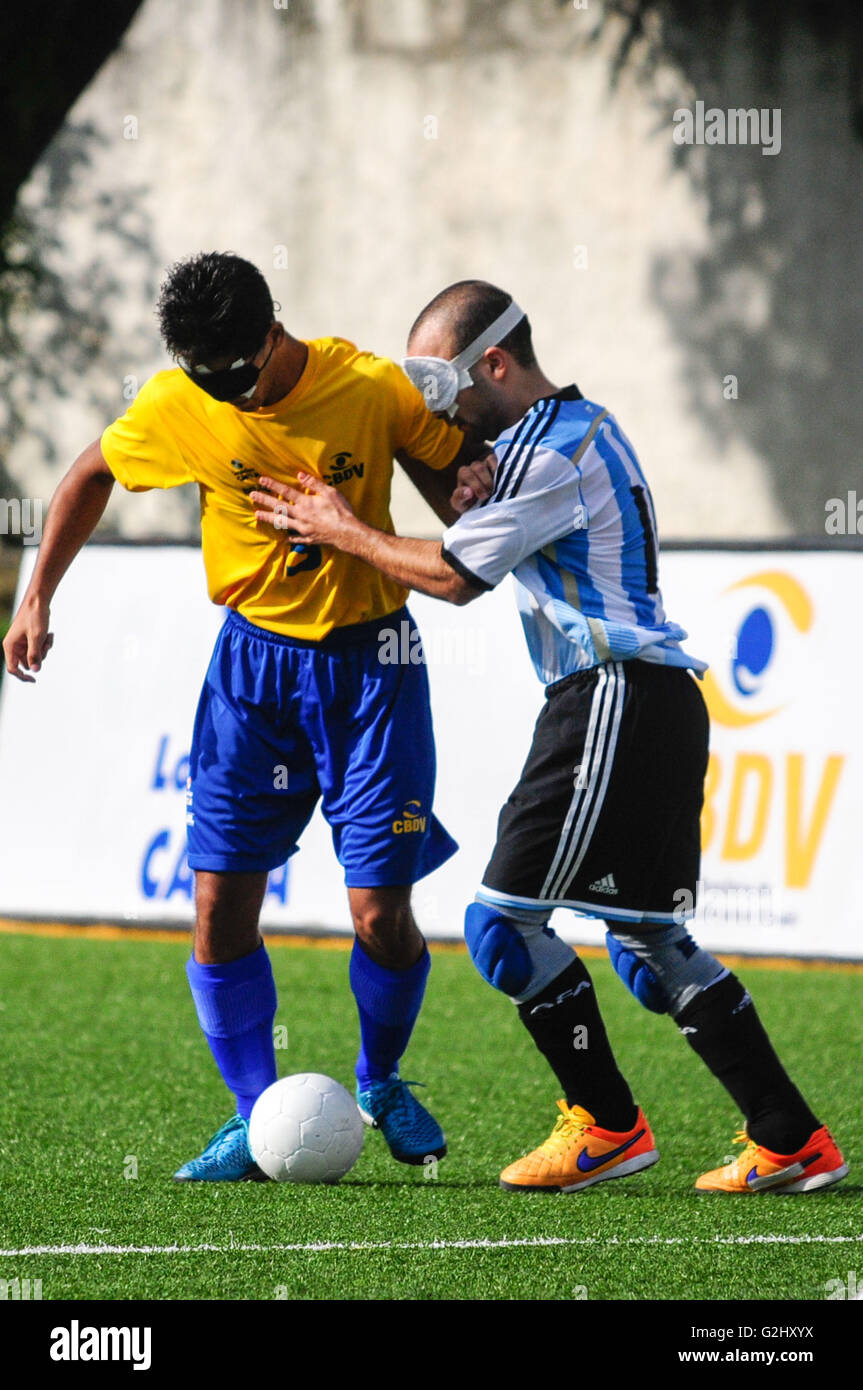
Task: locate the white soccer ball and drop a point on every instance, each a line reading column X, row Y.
column 305, row 1128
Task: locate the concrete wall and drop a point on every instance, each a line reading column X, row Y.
column 392, row 146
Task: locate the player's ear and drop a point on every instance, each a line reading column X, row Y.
column 496, row 362
column 275, row 334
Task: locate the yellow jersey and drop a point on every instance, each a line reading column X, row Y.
column 345, row 419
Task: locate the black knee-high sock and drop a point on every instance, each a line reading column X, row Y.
column 721, row 1025
column 582, row 1061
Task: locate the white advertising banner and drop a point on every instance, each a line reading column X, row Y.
column 783, row 793
column 94, row 755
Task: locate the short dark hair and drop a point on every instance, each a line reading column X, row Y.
column 469, row 308
column 214, row 305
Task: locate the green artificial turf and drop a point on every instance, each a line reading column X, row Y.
column 104, row 1074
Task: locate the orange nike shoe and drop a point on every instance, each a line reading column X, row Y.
column 818, row 1164
column 578, row 1154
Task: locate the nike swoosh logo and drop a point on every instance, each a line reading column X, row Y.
column 755, row 1180
column 586, row 1164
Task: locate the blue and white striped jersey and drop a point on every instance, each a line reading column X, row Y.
column 572, row 518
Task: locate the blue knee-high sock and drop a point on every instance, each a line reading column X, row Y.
column 236, row 1005
column 388, row 1002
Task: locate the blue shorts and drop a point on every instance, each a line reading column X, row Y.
column 282, row 722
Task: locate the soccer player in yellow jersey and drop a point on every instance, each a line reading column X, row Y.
column 295, row 680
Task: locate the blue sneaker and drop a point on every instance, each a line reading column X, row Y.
column 413, row 1135
column 227, row 1157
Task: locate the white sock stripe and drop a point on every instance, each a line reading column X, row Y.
column 596, row 706
column 589, row 812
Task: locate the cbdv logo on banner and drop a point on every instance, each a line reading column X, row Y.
column 781, row 800
column 759, row 679
column 164, row 867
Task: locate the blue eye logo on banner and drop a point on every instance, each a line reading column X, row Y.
column 732, row 690
column 756, row 638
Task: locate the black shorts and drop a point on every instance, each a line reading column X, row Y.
column 606, row 815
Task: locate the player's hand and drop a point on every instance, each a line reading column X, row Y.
column 318, row 513
column 28, row 640
column 475, row 482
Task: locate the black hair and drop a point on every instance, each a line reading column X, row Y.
column 469, row 308
column 214, row 305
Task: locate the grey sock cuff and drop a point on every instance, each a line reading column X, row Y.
column 682, row 967
column 549, row 956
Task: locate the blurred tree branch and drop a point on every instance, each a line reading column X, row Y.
column 649, row 30
column 51, row 51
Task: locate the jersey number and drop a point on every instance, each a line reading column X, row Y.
column 301, row 558
column 650, row 563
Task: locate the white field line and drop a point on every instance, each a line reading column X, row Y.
column 319, row 1247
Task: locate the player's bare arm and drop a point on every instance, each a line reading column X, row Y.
column 452, row 490
column 322, row 516
column 75, row 512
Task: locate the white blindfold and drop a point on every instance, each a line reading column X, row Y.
column 440, row 380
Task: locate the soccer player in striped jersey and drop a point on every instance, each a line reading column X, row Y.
column 295, row 685
column 605, row 817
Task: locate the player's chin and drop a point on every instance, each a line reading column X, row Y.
column 468, row 425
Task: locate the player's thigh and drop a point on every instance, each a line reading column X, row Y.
column 639, row 855
column 655, row 806
column 605, row 816
column 568, row 752
column 253, row 785
column 377, row 777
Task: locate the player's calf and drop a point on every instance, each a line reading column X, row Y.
column 389, row 968
column 516, row 951
column 716, row 1015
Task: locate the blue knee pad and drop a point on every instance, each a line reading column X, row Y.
column 497, row 949
column 638, row 977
